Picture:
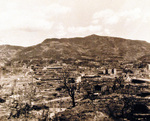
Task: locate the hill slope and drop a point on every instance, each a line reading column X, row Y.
column 91, row 47
column 7, row 52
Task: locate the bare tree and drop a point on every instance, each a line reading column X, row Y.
column 118, row 83
column 70, row 86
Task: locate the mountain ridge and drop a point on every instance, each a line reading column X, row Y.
column 93, row 46
column 90, row 46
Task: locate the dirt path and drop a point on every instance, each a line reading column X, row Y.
column 58, row 99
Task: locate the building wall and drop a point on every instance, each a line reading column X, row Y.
column 148, row 67
column 110, row 71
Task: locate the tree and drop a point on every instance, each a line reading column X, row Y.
column 70, row 86
column 118, row 83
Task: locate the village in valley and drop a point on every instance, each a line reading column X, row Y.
column 41, row 89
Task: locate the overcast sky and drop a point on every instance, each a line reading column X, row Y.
column 29, row 22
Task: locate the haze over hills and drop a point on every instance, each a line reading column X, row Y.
column 89, row 47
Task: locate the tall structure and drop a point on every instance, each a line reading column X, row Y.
column 148, row 67
column 0, row 73
column 148, row 70
column 114, row 71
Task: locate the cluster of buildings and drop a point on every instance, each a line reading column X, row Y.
column 46, row 73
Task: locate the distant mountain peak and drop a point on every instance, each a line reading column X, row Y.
column 92, row 35
column 50, row 39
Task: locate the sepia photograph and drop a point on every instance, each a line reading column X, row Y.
column 74, row 60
